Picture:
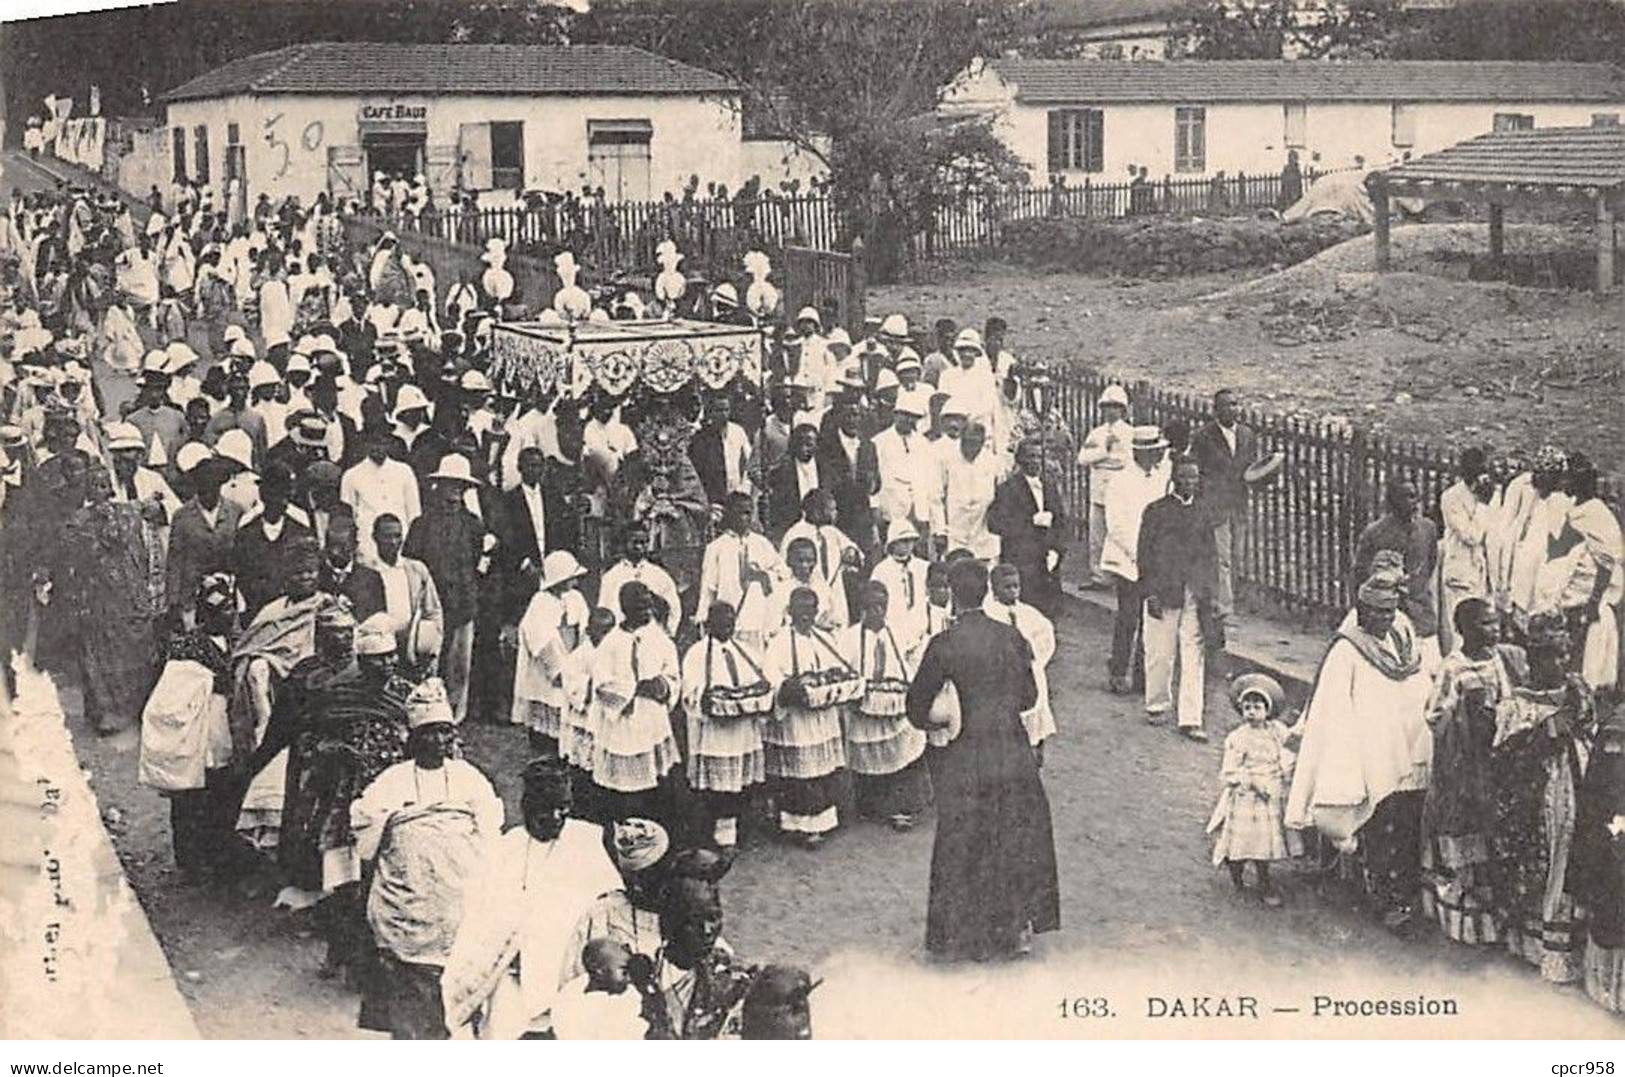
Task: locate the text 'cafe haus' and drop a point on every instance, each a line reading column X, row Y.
column 488, row 118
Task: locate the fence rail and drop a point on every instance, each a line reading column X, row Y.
column 714, row 233
column 1302, row 525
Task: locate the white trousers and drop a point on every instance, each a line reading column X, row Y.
column 1097, row 541
column 1175, row 634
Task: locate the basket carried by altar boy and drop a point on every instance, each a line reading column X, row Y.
column 754, row 700
column 819, row 688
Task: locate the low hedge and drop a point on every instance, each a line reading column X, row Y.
column 1169, row 246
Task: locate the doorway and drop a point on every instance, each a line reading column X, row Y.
column 393, row 154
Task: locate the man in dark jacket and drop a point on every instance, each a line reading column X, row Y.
column 342, row 575
column 200, row 541
column 450, row 541
column 1225, row 449
column 795, row 476
column 1029, row 519
column 1178, row 567
column 265, row 536
column 848, row 472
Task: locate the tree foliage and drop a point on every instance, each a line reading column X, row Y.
column 1581, row 30
column 1273, row 29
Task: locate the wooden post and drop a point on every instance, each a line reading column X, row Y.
column 1379, row 203
column 1497, row 235
column 1605, row 244
column 857, row 285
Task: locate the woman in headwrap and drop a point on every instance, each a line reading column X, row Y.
column 115, row 587
column 1540, row 752
column 349, row 715
column 1596, row 870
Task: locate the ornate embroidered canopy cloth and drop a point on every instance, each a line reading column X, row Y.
column 661, row 356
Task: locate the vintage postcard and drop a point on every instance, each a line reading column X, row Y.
column 813, row 519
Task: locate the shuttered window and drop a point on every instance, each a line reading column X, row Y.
column 1077, row 140
column 200, row 152
column 1295, row 122
column 1404, row 125
column 178, row 135
column 1190, row 139
column 1513, row 121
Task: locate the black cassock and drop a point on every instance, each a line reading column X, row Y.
column 993, row 864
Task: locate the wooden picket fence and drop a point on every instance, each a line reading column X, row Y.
column 1305, row 522
column 714, row 234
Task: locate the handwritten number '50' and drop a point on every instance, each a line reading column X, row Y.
column 310, row 139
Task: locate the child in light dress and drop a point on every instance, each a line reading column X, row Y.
column 1247, row 822
column 603, row 1004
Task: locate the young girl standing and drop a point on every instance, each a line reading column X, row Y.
column 1247, row 821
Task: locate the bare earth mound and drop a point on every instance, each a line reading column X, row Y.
column 1413, row 352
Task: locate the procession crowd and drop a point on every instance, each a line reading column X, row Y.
column 279, row 509
column 265, row 506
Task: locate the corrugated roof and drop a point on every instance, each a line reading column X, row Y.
column 1544, row 156
column 375, row 67
column 1088, row 81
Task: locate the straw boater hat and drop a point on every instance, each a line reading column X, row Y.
column 1149, row 437
column 560, row 567
column 1258, row 684
column 310, row 431
column 428, row 705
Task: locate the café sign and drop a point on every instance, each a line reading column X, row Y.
column 394, row 112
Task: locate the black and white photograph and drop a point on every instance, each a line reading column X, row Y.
column 812, row 520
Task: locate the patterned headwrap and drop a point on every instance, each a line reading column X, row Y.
column 1388, row 561
column 1380, row 592
column 1550, row 458
column 215, row 591
column 639, row 844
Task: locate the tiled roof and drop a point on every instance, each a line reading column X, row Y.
column 373, row 67
column 1089, row 81
column 1545, row 156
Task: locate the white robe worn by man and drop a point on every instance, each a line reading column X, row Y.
column 519, row 918
column 1365, row 732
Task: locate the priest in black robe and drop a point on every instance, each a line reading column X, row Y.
column 993, row 876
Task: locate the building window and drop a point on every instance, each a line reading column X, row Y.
column 1513, row 121
column 233, row 135
column 1295, row 122
column 1190, row 139
column 200, row 150
column 1404, row 125
column 179, row 136
column 618, row 158
column 1077, row 140
column 508, row 156
column 1605, row 119
column 1112, row 51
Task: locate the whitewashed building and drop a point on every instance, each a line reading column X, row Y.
column 1096, row 119
column 327, row 116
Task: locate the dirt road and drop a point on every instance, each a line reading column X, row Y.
column 1145, row 916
